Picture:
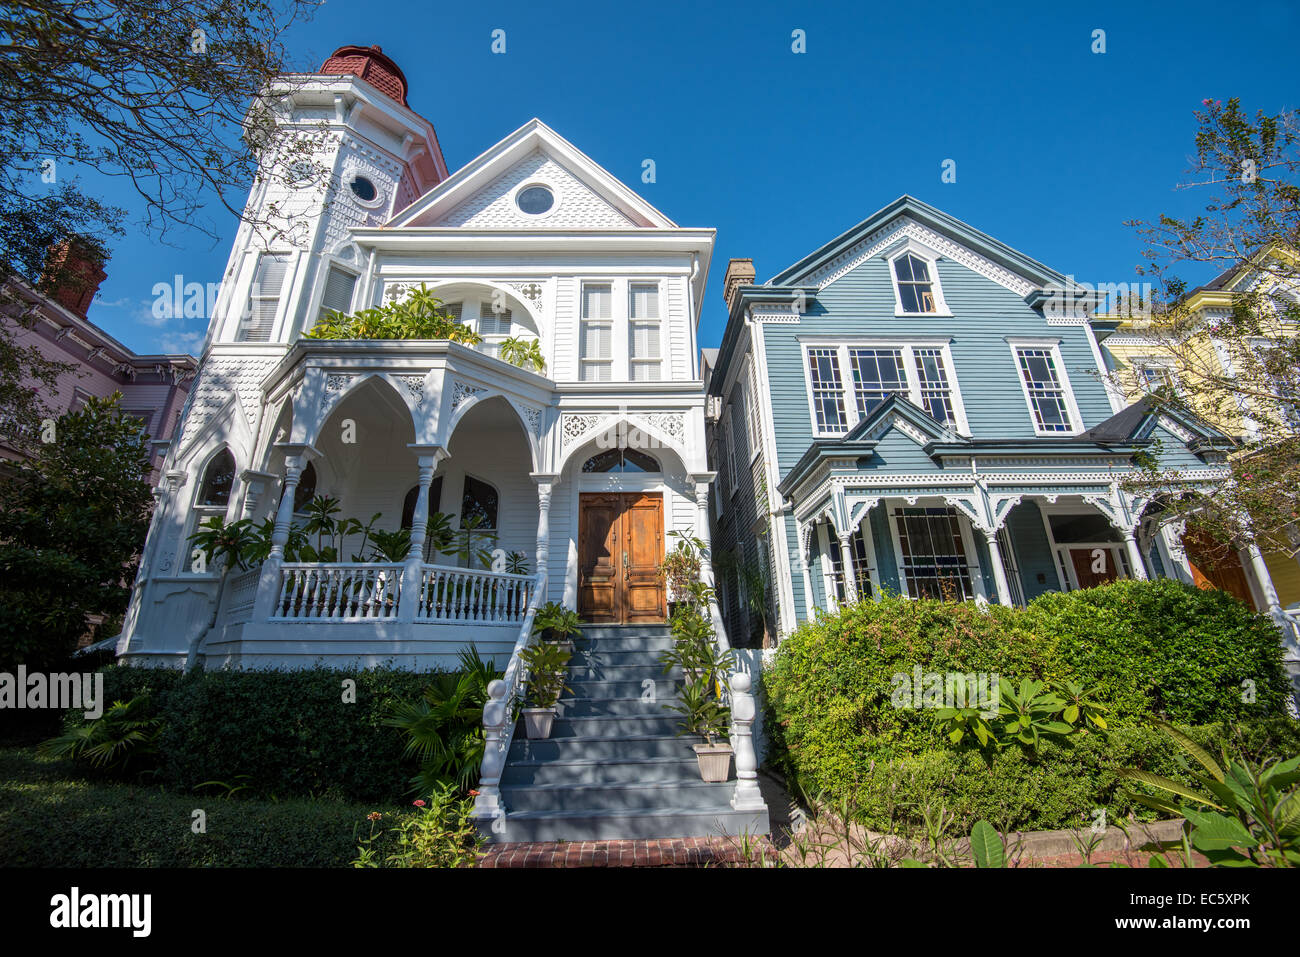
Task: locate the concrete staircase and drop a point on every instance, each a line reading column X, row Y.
column 614, row 767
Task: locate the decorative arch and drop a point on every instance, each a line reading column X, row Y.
column 479, row 394
column 577, row 430
column 339, row 386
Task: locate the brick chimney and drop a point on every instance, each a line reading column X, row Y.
column 74, row 270
column 740, row 272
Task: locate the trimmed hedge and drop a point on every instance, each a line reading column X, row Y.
column 281, row 733
column 1151, row 648
column 49, row 820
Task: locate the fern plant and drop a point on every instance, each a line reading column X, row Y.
column 124, row 736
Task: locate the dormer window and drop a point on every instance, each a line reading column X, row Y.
column 915, row 286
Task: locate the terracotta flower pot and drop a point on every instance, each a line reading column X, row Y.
column 537, row 722
column 714, row 761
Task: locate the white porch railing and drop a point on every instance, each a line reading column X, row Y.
column 337, row 592
column 468, row 595
column 499, row 715
column 241, row 591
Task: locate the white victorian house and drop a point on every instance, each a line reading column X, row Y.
column 584, row 467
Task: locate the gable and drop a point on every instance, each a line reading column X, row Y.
column 577, row 205
column 481, row 194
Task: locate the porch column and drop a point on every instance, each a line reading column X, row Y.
column 846, row 559
column 1265, row 580
column 1135, row 558
column 805, row 566
column 408, row 600
column 702, row 482
column 545, row 486
column 1172, row 535
column 268, row 582
column 999, row 569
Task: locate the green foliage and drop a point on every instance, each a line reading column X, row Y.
column 49, row 818
column 986, row 846
column 123, row 738
column 444, row 727
column 1251, row 817
column 418, row 316
column 390, row 546
column 523, row 351
column 554, row 622
column 72, row 522
column 284, row 733
column 441, row 833
column 702, row 713
column 546, row 663
column 1138, row 649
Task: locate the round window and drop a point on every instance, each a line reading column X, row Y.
column 535, row 200
column 364, row 189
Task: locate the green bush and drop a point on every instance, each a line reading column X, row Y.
column 278, row 733
column 1149, row 648
column 48, row 820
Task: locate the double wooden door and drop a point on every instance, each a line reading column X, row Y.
column 620, row 548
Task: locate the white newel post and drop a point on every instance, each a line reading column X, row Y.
column 487, row 804
column 850, row 573
column 268, row 583
column 702, row 482
column 805, row 569
column 999, row 569
column 1134, row 554
column 747, row 796
column 408, row 600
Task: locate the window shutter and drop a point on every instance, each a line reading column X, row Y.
column 264, row 299
column 338, row 291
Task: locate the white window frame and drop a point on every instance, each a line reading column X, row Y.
column 243, row 318
column 199, row 513
column 657, row 321
column 612, row 322
column 973, row 565
column 732, row 484
column 931, row 260
column 754, row 408
column 1071, row 406
column 908, row 347
column 1141, row 363
column 318, row 303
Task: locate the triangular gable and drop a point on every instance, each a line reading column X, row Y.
column 899, row 413
column 907, row 218
column 480, row 194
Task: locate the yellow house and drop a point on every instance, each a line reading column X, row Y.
column 1145, row 352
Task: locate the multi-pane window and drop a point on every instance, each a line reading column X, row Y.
column 339, row 286
column 932, row 377
column 1047, row 399
column 934, row 554
column 921, row 374
column 1155, row 377
column 214, row 494
column 264, row 298
column 755, row 416
column 915, row 288
column 597, row 333
column 861, row 565
column 877, row 374
column 827, row 391
column 732, row 483
column 643, row 332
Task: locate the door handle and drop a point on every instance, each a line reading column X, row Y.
column 625, row 563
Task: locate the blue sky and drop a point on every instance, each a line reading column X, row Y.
column 1055, row 146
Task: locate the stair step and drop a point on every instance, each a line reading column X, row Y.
column 665, row 687
column 625, row 631
column 650, row 645
column 611, row 797
column 606, row 771
column 620, row 672
column 626, row 824
column 586, row 707
column 629, row 746
column 614, row 725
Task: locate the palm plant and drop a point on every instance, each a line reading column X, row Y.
column 444, row 728
column 122, row 736
column 524, row 352
column 391, row 547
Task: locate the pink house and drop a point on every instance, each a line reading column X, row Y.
column 153, row 387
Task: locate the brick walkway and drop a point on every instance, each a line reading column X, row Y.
column 674, row 852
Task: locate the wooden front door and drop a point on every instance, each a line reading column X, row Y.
column 1217, row 568
column 620, row 548
column 1094, row 566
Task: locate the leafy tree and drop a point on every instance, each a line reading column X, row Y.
column 72, row 521
column 1247, row 169
column 27, row 375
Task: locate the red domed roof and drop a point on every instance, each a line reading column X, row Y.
column 371, row 65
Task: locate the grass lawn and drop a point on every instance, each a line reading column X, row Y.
column 52, row 815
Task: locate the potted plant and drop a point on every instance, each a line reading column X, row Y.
column 546, row 663
column 680, row 569
column 557, row 625
column 704, row 715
